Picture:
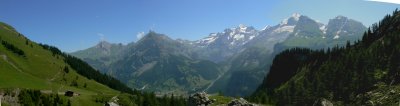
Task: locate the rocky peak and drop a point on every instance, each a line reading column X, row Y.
column 307, row 27
column 104, row 45
column 340, row 17
column 240, row 29
column 153, row 38
column 154, row 35
column 296, row 16
column 341, row 25
column 199, row 99
column 292, row 20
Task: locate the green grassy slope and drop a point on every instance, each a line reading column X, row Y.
column 40, row 69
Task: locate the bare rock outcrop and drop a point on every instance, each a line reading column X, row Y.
column 240, row 102
column 199, row 99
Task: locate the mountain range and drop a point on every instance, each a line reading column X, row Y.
column 365, row 72
column 221, row 62
column 300, row 61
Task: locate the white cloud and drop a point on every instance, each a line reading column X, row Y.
column 387, row 1
column 101, row 36
column 139, row 35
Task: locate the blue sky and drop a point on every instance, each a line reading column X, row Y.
column 78, row 24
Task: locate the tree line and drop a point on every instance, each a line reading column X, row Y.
column 28, row 97
column 138, row 97
column 13, row 48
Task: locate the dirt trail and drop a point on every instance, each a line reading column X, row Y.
column 5, row 58
column 212, row 83
column 55, row 75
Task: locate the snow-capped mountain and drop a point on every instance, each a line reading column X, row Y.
column 307, row 27
column 313, row 34
column 232, row 37
column 295, row 31
column 271, row 35
column 291, row 20
column 288, row 24
column 222, row 45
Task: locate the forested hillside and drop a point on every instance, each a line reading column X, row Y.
column 365, row 73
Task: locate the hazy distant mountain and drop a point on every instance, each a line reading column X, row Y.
column 309, row 33
column 223, row 61
column 156, row 63
column 341, row 26
column 101, row 55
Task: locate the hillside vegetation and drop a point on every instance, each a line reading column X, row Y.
column 38, row 74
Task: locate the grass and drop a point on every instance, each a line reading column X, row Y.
column 220, row 100
column 42, row 70
column 11, row 78
column 3, row 104
column 224, row 100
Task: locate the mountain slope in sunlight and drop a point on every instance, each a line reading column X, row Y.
column 38, row 68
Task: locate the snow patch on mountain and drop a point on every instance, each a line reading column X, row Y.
column 238, row 36
column 266, row 27
column 233, row 37
column 251, row 37
column 208, row 39
column 289, row 28
column 242, row 28
column 336, row 37
column 296, row 16
column 323, row 29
